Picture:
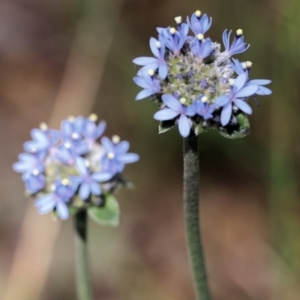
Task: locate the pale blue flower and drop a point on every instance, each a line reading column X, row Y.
column 199, row 24
column 149, row 84
column 116, row 157
column 89, row 183
column 204, row 109
column 237, row 46
column 201, row 48
column 238, row 92
column 152, row 63
column 175, row 109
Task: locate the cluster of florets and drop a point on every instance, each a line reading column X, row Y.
column 69, row 169
column 196, row 84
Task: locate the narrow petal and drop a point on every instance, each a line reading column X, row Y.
column 247, row 91
column 107, row 144
column 144, row 94
column 163, row 71
column 99, row 130
column 40, row 136
column 240, row 81
column 226, row 114
column 263, row 91
column 84, row 191
column 184, row 125
column 153, row 46
column 190, row 110
column 259, row 82
column 140, row 81
column 122, row 147
column 165, row 114
column 143, row 61
column 172, row 102
column 102, row 176
column 128, row 158
column 96, row 189
column 243, row 106
column 81, row 166
column 62, row 210
column 222, row 100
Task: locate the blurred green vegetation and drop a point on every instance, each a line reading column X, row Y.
column 250, row 191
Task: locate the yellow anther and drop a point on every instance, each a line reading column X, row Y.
column 249, row 64
column 150, row 72
column 75, row 136
column 93, row 117
column 244, row 65
column 67, row 145
column 43, row 126
column 35, row 172
column 198, row 13
column 200, row 36
column 182, row 100
column 157, row 44
column 115, row 139
column 239, row 32
column 204, row 99
column 66, row 181
column 110, row 155
column 172, row 30
column 71, row 118
column 87, row 163
column 231, row 81
column 178, row 20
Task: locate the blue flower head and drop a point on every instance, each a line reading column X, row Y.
column 69, row 168
column 195, row 83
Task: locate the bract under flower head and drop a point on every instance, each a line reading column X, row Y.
column 194, row 68
column 68, row 168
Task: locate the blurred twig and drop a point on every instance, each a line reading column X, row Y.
column 76, row 95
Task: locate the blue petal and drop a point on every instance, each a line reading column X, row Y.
column 46, row 203
column 141, row 82
column 263, row 91
column 128, row 158
column 79, row 124
column 107, row 144
column 163, row 71
column 62, row 210
column 222, row 100
column 190, row 110
column 102, row 176
column 153, row 47
column 226, row 38
column 240, row 81
column 96, row 189
column 84, row 191
column 243, row 106
column 67, row 127
column 122, row 147
column 172, row 102
column 144, row 94
column 184, row 126
column 81, row 166
column 41, row 137
column 246, row 91
column 226, row 114
column 143, row 61
column 259, row 82
column 165, row 114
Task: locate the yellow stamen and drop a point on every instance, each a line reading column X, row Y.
column 231, row 81
column 204, row 99
column 35, row 172
column 93, row 117
column 66, row 181
column 43, row 126
column 249, row 64
column 110, row 155
column 178, row 20
column 200, row 37
column 150, row 72
column 239, row 32
column 71, row 118
column 115, row 139
column 158, row 45
column 75, row 136
column 182, row 100
column 172, row 30
column 198, row 13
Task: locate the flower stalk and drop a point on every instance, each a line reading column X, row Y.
column 191, row 211
column 83, row 281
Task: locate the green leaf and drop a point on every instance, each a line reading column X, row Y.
column 238, row 131
column 166, row 125
column 108, row 214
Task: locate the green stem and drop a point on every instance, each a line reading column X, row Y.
column 83, row 282
column 191, row 210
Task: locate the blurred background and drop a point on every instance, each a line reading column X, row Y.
column 61, row 58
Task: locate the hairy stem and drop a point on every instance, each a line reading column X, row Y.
column 191, row 210
column 83, row 282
